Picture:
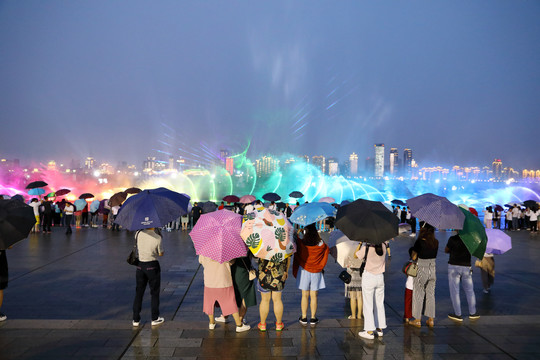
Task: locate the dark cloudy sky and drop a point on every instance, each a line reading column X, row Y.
column 456, row 81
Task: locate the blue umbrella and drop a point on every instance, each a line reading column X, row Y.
column 437, row 211
column 36, row 191
column 152, row 208
column 79, row 204
column 94, row 205
column 271, row 197
column 310, row 213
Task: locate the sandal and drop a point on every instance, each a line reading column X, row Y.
column 262, row 327
column 416, row 323
column 279, row 326
column 430, row 323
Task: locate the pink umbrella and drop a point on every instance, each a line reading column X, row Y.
column 217, row 236
column 247, row 199
column 327, row 199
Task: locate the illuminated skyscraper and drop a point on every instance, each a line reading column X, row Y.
column 266, row 166
column 407, row 162
column 332, row 167
column 319, row 162
column 89, row 163
column 353, row 163
column 229, row 165
column 497, row 168
column 394, row 161
column 379, row 160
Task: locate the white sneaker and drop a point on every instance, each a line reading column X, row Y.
column 366, row 335
column 136, row 323
column 3, row 317
column 211, row 326
column 158, row 321
column 244, row 327
column 379, row 333
column 412, row 235
column 222, row 319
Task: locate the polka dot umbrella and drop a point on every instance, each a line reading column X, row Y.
column 217, row 236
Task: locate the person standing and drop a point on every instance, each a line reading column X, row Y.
column 534, row 220
column 460, row 272
column 508, row 220
column 114, row 211
column 148, row 273
column 488, row 217
column 287, row 211
column 487, row 271
column 249, row 208
column 373, row 290
column 47, row 216
column 272, row 277
column 196, row 213
column 4, row 277
column 515, row 218
column 353, row 290
column 35, row 204
column 69, row 209
column 309, row 261
column 425, row 250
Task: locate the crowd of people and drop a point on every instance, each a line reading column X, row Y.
column 514, row 218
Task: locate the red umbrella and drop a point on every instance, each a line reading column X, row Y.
column 231, row 198
column 62, row 192
column 473, row 211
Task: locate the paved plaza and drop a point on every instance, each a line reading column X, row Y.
column 70, row 297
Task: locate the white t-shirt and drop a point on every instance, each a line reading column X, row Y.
column 36, row 205
column 69, row 209
column 148, row 245
column 534, row 215
column 249, row 208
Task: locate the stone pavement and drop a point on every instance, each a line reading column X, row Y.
column 70, row 297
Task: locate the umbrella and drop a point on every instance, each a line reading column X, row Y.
column 345, row 202
column 366, row 220
column 86, row 196
column 79, row 204
column 152, row 208
column 208, row 206
column 473, row 211
column 118, row 198
column 16, row 221
column 94, row 205
column 498, row 242
column 51, row 194
column 498, row 208
column 531, row 204
column 62, row 192
column 17, row 197
column 36, row 184
column 217, row 236
column 36, row 191
column 327, row 199
column 271, row 197
column 512, row 204
column 296, row 194
column 268, row 234
column 473, row 234
column 104, row 207
column 437, row 211
column 132, row 190
column 398, row 202
column 247, row 199
column 344, row 246
column 231, row 198
column 310, row 213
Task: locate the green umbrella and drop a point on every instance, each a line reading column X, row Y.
column 473, row 234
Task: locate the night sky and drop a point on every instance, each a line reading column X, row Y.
column 456, row 81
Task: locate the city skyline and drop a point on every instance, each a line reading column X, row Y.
column 456, row 81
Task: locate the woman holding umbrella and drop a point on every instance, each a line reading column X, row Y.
column 425, row 250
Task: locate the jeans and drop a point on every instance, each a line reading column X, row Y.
column 373, row 298
column 456, row 275
column 68, row 219
column 148, row 273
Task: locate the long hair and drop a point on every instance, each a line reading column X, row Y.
column 311, row 235
column 427, row 233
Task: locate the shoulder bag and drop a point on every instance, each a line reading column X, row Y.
column 132, row 258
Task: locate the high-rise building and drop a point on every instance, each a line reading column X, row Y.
column 497, row 168
column 89, row 163
column 266, row 165
column 332, row 167
column 353, row 163
column 407, row 162
column 394, row 161
column 319, row 162
column 229, row 165
column 379, row 160
column 223, row 155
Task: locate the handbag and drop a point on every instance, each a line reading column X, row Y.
column 252, row 274
column 364, row 261
column 133, row 259
column 410, row 268
column 345, row 277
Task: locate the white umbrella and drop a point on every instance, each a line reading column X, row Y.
column 344, row 246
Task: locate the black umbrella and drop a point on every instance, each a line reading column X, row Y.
column 271, row 197
column 398, row 202
column 369, row 221
column 36, row 184
column 17, row 197
column 531, row 204
column 281, row 205
column 86, row 196
column 16, row 221
column 132, row 190
column 208, row 207
column 296, row 194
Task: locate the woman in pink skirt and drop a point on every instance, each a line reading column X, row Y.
column 218, row 287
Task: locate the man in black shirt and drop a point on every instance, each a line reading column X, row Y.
column 460, row 271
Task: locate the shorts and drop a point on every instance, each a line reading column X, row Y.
column 306, row 280
column 37, row 219
column 224, row 296
column 264, row 291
